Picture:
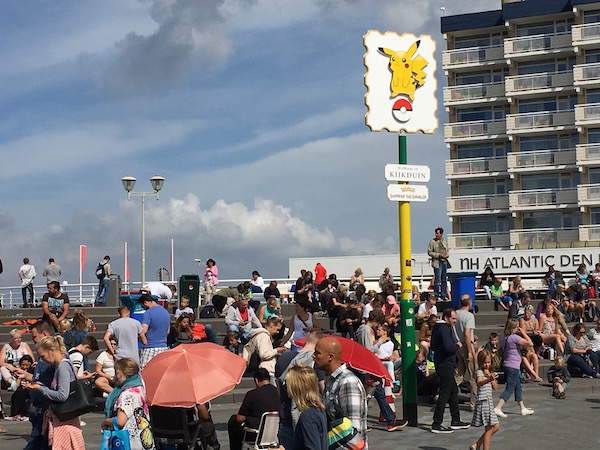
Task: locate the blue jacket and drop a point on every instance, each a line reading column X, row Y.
column 444, row 346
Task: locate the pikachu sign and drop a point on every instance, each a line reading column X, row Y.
column 400, row 82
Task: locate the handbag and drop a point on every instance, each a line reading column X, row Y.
column 117, row 439
column 341, row 434
column 80, row 399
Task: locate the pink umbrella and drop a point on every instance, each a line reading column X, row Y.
column 191, row 373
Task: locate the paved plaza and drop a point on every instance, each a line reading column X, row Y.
column 556, row 424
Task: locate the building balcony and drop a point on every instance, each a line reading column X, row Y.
column 474, row 93
column 539, row 83
column 480, row 130
column 543, row 199
column 586, row 35
column 540, row 122
column 588, row 195
column 539, row 45
column 478, row 240
column 539, row 237
column 474, row 205
column 521, row 162
column 587, row 115
column 589, row 233
column 588, row 155
column 475, row 168
column 586, row 75
column 473, row 57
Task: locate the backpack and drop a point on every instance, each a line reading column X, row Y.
column 208, row 312
column 100, row 272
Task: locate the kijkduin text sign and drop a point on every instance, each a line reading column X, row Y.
column 400, row 82
column 407, row 192
column 403, row 172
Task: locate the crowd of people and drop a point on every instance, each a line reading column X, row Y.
column 298, row 369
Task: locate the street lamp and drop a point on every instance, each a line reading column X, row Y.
column 157, row 184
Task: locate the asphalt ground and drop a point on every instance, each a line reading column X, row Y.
column 556, row 424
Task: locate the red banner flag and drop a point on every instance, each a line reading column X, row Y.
column 82, row 252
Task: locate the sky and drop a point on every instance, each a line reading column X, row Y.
column 252, row 110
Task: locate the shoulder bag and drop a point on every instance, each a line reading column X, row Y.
column 80, row 400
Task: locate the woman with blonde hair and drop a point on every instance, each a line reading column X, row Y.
column 311, row 429
column 62, row 434
column 550, row 329
column 356, row 279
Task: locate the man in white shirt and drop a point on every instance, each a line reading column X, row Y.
column 27, row 274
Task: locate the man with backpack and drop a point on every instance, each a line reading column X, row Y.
column 103, row 275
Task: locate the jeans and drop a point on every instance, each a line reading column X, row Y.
column 286, row 436
column 24, row 290
column 513, row 384
column 384, row 406
column 440, row 284
column 211, row 334
column 448, row 394
column 37, row 441
column 487, row 292
column 102, row 289
column 579, row 362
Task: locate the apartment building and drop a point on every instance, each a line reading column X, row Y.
column 523, row 134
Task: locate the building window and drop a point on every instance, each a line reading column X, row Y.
column 466, row 188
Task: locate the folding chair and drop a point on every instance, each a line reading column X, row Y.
column 180, row 427
column 265, row 435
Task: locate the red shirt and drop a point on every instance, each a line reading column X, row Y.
column 320, row 274
column 244, row 315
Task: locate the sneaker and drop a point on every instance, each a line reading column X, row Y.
column 499, row 413
column 397, row 425
column 526, row 412
column 460, row 425
column 439, row 429
column 585, row 375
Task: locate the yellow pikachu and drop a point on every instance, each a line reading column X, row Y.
column 407, row 72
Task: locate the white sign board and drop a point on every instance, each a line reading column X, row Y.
column 407, row 192
column 403, row 172
column 400, row 82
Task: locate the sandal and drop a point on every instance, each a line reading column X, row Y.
column 473, row 447
column 3, row 430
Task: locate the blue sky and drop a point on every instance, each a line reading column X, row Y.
column 253, row 111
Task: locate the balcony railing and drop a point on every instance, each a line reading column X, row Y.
column 543, row 121
column 478, row 130
column 587, row 114
column 537, row 199
column 475, row 166
column 477, row 204
column 479, row 240
column 588, row 154
column 539, row 82
column 588, row 195
column 586, row 74
column 538, row 44
column 473, row 57
column 473, row 93
column 589, row 232
column 535, row 160
column 543, row 235
column 586, row 34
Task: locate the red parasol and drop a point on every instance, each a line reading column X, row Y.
column 191, row 373
column 358, row 357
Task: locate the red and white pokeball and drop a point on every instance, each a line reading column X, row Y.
column 402, row 110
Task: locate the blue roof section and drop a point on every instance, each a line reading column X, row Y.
column 582, row 2
column 531, row 8
column 509, row 11
column 472, row 21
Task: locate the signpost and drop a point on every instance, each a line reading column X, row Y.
column 401, row 98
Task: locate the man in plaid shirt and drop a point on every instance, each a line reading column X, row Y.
column 341, row 385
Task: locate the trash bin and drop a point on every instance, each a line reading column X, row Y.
column 190, row 285
column 132, row 301
column 462, row 283
column 114, row 290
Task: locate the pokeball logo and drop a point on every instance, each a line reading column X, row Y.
column 402, row 110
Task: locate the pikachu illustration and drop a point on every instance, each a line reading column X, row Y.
column 407, row 70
